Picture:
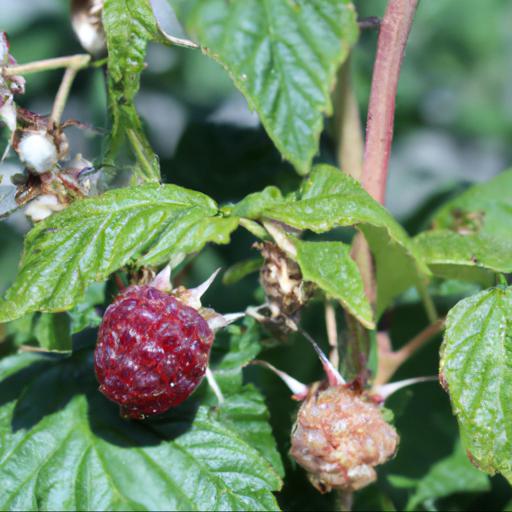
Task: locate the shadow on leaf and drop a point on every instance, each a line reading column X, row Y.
column 46, row 387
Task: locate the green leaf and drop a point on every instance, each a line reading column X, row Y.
column 471, row 257
column 65, row 447
column 53, row 332
column 148, row 165
column 240, row 270
column 283, row 56
column 476, row 370
column 329, row 266
column 129, row 25
column 402, row 482
column 251, row 206
column 485, row 209
column 190, row 236
column 329, row 199
column 451, row 475
column 21, row 330
column 84, row 315
column 241, row 347
column 94, row 237
column 238, row 347
column 471, row 237
column 10, row 249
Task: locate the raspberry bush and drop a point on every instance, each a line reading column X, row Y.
column 185, row 135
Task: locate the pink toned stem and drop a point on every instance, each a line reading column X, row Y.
column 393, row 35
column 390, row 361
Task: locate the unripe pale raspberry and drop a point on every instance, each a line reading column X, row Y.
column 152, row 351
column 339, row 437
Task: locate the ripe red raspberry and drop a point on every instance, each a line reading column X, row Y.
column 152, row 351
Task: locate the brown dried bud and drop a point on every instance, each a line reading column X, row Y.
column 339, row 437
column 282, row 281
column 53, row 191
column 285, row 290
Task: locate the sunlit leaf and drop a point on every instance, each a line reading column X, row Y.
column 129, row 25
column 485, row 208
column 64, row 446
column 471, row 257
column 329, row 199
column 283, row 56
column 92, row 238
column 329, row 266
column 476, row 370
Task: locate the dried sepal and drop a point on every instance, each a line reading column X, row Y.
column 14, row 84
column 218, row 321
column 53, row 190
column 213, row 385
column 300, row 391
column 9, row 86
column 384, row 391
column 42, row 207
column 192, row 297
column 281, row 279
column 162, row 281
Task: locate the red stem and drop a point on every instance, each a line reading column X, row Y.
column 394, row 31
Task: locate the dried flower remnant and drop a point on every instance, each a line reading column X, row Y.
column 285, row 290
column 9, row 86
column 51, row 181
column 37, row 151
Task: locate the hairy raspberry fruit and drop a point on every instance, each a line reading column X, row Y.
column 152, row 351
column 339, row 437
